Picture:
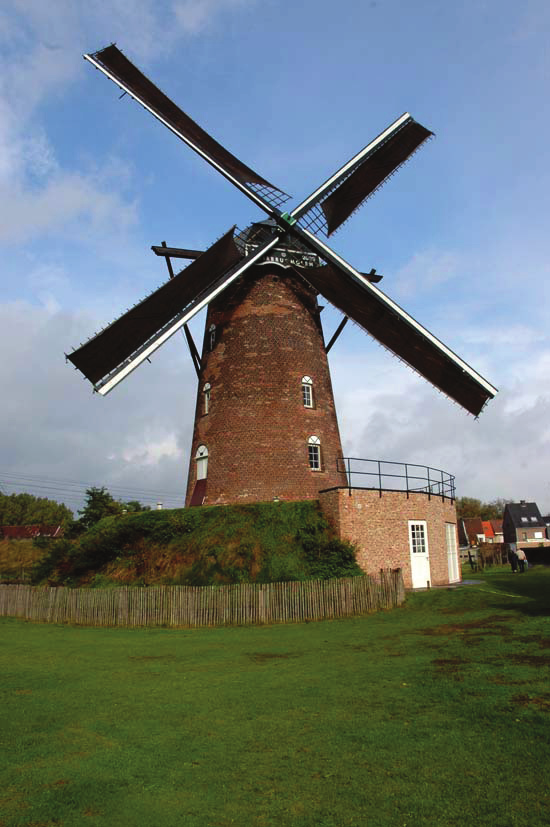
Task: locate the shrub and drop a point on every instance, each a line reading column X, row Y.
column 283, row 568
column 327, row 557
column 55, row 565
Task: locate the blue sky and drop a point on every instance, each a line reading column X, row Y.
column 88, row 182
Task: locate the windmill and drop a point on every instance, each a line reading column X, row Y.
column 265, row 422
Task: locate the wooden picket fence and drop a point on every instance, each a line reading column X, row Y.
column 189, row 606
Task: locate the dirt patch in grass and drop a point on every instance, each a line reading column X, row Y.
column 540, row 701
column 501, row 680
column 473, row 640
column 55, row 823
column 530, row 660
column 152, row 657
column 542, row 642
column 452, row 611
column 450, row 667
column 262, row 657
column 449, row 664
column 491, row 625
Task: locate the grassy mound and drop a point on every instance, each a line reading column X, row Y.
column 263, row 542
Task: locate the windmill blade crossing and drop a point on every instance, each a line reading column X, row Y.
column 333, row 203
column 112, row 347
column 116, row 66
column 395, row 329
column 289, row 240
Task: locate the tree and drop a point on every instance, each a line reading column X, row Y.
column 26, row 509
column 133, row 507
column 470, row 507
column 99, row 504
column 494, row 510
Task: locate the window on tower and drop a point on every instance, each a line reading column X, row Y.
column 307, row 391
column 201, row 458
column 314, row 453
column 211, row 337
column 206, row 395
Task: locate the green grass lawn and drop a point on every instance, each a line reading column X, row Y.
column 433, row 714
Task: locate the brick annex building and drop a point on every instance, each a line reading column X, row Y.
column 266, row 428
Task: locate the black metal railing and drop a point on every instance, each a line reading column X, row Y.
column 409, row 477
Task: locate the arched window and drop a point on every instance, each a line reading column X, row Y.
column 201, row 458
column 211, row 337
column 307, row 391
column 206, row 397
column 314, row 453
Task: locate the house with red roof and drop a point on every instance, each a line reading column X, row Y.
column 30, row 532
column 488, row 532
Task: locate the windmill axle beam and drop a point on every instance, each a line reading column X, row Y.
column 175, row 252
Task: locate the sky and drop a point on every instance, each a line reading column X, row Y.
column 88, row 182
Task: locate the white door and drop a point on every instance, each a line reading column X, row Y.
column 420, row 557
column 452, row 552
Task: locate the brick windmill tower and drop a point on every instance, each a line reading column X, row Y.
column 265, row 422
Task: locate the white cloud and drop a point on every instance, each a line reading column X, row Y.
column 425, row 271
column 27, row 212
column 63, row 30
column 149, row 447
column 51, row 423
column 515, row 334
column 387, row 413
column 38, row 195
column 196, row 15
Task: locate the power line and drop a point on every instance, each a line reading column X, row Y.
column 74, row 492
column 79, row 483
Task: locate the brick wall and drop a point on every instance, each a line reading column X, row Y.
column 267, row 337
column 379, row 527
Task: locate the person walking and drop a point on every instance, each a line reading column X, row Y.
column 522, row 560
column 513, row 557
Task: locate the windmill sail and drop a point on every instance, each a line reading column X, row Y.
column 111, row 347
column 119, row 349
column 115, row 352
column 113, row 63
column 333, row 203
column 389, row 324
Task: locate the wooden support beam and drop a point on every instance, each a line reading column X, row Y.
column 190, row 341
column 339, row 329
column 168, row 262
column 193, row 350
column 175, row 252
